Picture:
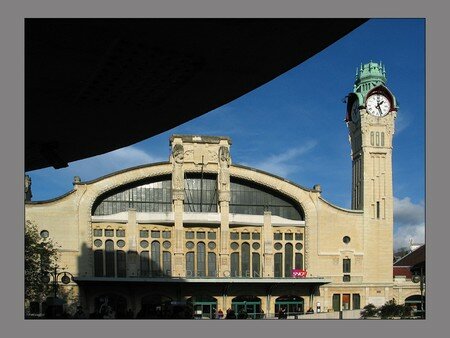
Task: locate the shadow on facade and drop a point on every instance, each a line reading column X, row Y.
column 118, row 284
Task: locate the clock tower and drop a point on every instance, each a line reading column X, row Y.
column 371, row 112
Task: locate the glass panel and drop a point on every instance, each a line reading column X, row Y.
column 234, row 246
column 155, row 258
column 155, row 233
column 288, row 236
column 346, row 301
column 120, row 233
column 245, row 235
column 356, row 301
column 234, row 262
column 201, row 259
column 277, row 236
column 190, row 264
column 337, row 302
column 167, row 263
column 98, row 263
column 256, row 265
column 109, row 257
column 211, row 235
column 145, row 264
column 346, row 265
column 144, row 244
column 166, row 244
column 143, row 233
column 245, row 259
column 298, row 236
column 189, row 234
column 288, row 260
column 200, row 235
column 278, row 264
column 109, row 233
column 299, row 246
column 98, row 243
column 120, row 243
column 346, row 278
column 121, row 264
column 234, row 235
column 277, row 246
column 211, row 264
column 211, row 245
column 298, row 261
column 256, row 246
column 166, row 234
column 98, row 232
column 256, row 236
column 190, row 245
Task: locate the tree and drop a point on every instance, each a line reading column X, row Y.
column 40, row 255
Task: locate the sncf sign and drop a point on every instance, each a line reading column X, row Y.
column 297, row 273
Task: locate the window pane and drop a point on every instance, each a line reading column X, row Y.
column 121, row 264
column 346, row 265
column 143, row 233
column 337, row 302
column 211, row 235
column 190, row 264
column 245, row 259
column 256, row 236
column 201, row 259
column 211, row 264
column 245, row 235
column 109, row 233
column 189, row 235
column 98, row 232
column 167, row 263
column 277, row 236
column 109, row 258
column 166, row 234
column 234, row 235
column 98, row 263
column 278, row 264
column 356, row 301
column 288, row 260
column 234, row 262
column 256, row 265
column 288, row 236
column 200, row 235
column 298, row 236
column 155, row 258
column 145, row 264
column 298, row 261
column 155, row 233
column 120, row 233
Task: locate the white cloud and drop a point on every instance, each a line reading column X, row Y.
column 409, row 219
column 281, row 164
column 402, row 122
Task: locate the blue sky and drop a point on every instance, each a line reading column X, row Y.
column 294, row 125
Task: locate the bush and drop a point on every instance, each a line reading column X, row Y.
column 369, row 310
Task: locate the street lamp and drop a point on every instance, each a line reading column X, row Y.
column 418, row 277
column 65, row 278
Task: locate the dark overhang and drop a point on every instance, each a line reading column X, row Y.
column 96, row 85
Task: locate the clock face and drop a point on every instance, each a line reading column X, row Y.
column 355, row 111
column 378, row 105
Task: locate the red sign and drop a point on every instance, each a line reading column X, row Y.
column 298, row 273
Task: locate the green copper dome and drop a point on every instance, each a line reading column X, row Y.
column 368, row 76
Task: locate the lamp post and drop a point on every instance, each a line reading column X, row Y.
column 66, row 278
column 419, row 278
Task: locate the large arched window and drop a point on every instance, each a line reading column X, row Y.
column 201, row 259
column 144, row 196
column 155, row 258
column 250, row 198
column 288, row 260
column 200, row 193
column 109, row 258
column 245, row 261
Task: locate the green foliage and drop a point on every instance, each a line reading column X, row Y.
column 40, row 255
column 391, row 309
column 369, row 310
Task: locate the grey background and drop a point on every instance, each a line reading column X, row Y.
column 12, row 16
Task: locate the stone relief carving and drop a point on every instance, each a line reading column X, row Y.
column 224, row 171
column 177, row 176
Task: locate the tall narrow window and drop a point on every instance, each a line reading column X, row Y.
column 378, row 209
column 278, row 264
column 145, row 263
column 98, row 263
column 121, row 264
column 346, row 265
column 371, row 138
column 234, row 261
column 288, row 260
column 190, row 264
column 156, row 256
column 201, row 259
column 356, row 301
column 245, row 261
column 211, row 264
column 167, row 263
column 337, row 302
column 109, row 258
column 298, row 261
column 256, row 265
column 382, row 139
column 377, row 138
